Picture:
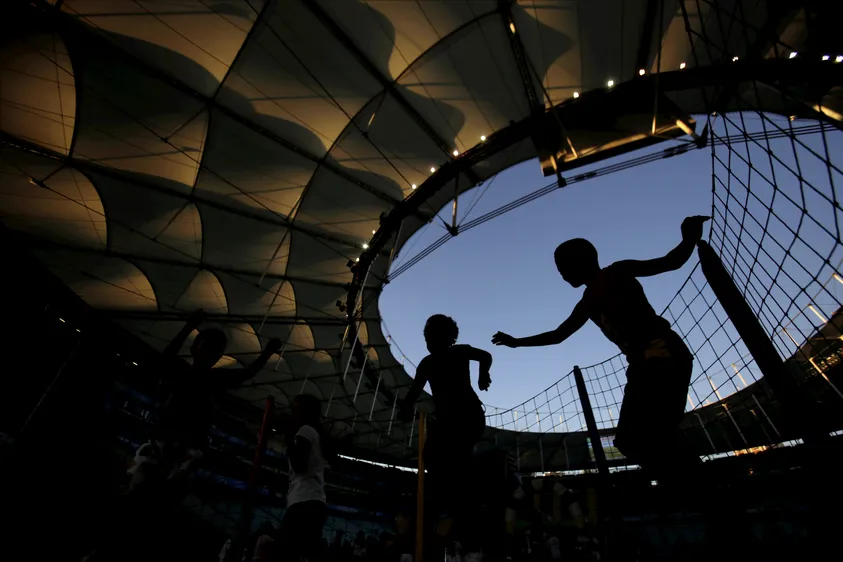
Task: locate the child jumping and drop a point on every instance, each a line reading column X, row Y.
column 139, row 525
column 660, row 363
column 460, row 418
column 190, row 395
column 300, row 533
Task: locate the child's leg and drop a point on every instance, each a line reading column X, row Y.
column 300, row 533
column 653, row 407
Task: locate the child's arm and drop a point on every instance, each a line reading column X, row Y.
column 566, row 329
column 485, row 359
column 405, row 412
column 193, row 322
column 692, row 230
column 236, row 378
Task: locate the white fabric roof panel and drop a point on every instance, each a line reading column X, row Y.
column 102, row 281
column 237, row 156
column 38, row 91
column 209, row 33
column 242, row 168
column 465, row 87
column 70, row 209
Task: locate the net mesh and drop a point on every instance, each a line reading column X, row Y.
column 775, row 227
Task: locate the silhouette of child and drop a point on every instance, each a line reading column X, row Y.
column 660, row 363
column 460, row 418
column 300, row 533
column 190, row 393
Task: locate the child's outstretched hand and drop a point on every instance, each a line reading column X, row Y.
column 692, row 228
column 501, row 338
column 485, row 380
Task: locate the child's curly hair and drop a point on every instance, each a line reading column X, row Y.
column 441, row 328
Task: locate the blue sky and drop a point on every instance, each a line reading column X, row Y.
column 501, row 276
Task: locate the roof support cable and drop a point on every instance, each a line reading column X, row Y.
column 657, row 90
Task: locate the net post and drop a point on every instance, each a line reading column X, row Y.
column 755, row 339
column 241, row 548
column 591, row 425
column 420, row 491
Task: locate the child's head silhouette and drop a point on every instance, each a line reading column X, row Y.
column 208, row 348
column 577, row 261
column 440, row 332
column 307, row 410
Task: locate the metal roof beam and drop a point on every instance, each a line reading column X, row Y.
column 49, row 244
column 176, row 315
column 524, row 70
column 85, row 165
column 642, row 57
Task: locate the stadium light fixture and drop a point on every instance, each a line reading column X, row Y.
column 826, row 57
column 839, row 58
column 682, row 66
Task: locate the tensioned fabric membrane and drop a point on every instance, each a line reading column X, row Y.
column 240, row 155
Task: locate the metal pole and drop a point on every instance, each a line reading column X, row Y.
column 50, row 387
column 360, row 378
column 763, row 411
column 392, row 417
column 591, row 424
column 236, row 553
column 758, row 343
column 375, row 396
column 420, row 492
column 707, row 436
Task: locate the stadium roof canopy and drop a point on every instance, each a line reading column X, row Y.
column 242, row 156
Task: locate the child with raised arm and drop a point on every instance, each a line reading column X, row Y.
column 660, row 363
column 460, row 418
column 190, row 393
column 161, row 469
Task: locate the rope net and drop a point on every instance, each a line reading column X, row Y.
column 776, row 228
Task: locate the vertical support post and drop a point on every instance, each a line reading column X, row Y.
column 456, row 200
column 375, row 396
column 757, row 342
column 240, row 547
column 50, row 386
column 420, row 491
column 360, row 378
column 707, row 435
column 591, row 425
column 763, row 411
column 358, row 304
